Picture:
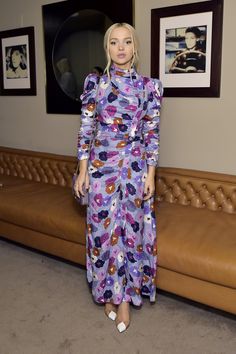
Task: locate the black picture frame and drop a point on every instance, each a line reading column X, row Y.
column 165, row 22
column 54, row 15
column 17, row 80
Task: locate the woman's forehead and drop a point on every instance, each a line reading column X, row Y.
column 120, row 32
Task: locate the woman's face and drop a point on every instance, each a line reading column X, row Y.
column 16, row 58
column 190, row 40
column 121, row 47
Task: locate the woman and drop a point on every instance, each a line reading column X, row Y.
column 17, row 67
column 119, row 169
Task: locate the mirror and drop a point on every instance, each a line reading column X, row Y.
column 78, row 49
column 73, row 38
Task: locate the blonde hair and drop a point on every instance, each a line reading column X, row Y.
column 133, row 34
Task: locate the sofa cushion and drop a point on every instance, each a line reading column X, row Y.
column 197, row 242
column 42, row 207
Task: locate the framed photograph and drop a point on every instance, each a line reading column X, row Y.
column 17, row 62
column 186, row 44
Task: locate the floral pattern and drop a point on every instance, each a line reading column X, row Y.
column 119, row 141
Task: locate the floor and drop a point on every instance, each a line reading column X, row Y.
column 46, row 308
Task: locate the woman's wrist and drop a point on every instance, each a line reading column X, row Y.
column 151, row 171
column 83, row 166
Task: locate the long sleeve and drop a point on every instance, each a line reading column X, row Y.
column 152, row 121
column 87, row 124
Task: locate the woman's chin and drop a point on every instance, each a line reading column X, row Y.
column 124, row 64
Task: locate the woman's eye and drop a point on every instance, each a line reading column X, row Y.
column 112, row 42
column 128, row 42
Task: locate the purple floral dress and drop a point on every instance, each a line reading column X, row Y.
column 121, row 247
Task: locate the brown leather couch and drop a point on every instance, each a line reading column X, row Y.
column 195, row 214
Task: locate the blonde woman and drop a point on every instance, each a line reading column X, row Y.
column 118, row 151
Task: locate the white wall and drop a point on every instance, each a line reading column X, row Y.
column 196, row 133
column 24, row 122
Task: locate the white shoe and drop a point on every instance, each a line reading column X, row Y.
column 112, row 315
column 121, row 327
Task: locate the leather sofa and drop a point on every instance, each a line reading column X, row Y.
column 195, row 216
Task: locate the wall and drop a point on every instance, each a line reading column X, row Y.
column 196, row 133
column 24, row 122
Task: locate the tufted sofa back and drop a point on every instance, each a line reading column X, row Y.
column 37, row 166
column 214, row 191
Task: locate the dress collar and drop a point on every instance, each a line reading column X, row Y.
column 128, row 73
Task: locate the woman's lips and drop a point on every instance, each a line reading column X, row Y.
column 121, row 56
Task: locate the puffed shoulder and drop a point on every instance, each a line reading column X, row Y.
column 154, row 86
column 90, row 86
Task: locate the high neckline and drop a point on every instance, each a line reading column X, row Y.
column 128, row 73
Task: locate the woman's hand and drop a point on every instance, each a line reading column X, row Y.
column 149, row 185
column 82, row 180
column 81, row 183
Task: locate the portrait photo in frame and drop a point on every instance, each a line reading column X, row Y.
column 186, row 44
column 17, row 62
